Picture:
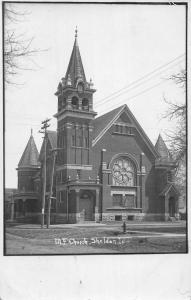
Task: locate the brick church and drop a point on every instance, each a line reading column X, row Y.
column 100, row 168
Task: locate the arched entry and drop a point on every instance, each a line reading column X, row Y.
column 19, row 208
column 172, row 208
column 87, row 205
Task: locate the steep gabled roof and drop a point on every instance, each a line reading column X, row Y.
column 75, row 69
column 101, row 123
column 104, row 122
column 168, row 188
column 161, row 148
column 30, row 155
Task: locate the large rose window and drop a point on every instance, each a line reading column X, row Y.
column 123, row 172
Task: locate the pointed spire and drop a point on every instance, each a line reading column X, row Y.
column 30, row 155
column 75, row 69
column 161, row 148
column 76, row 32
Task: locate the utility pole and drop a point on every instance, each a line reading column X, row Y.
column 44, row 127
column 51, row 187
column 54, row 151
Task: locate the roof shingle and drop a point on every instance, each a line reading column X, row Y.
column 30, row 155
column 52, row 136
column 161, row 148
column 75, row 68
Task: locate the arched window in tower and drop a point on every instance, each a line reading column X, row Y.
column 75, row 103
column 85, row 104
column 123, row 172
column 59, row 103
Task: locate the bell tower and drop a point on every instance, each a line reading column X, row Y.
column 74, row 120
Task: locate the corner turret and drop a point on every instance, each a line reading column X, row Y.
column 28, row 166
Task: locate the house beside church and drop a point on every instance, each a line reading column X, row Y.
column 105, row 168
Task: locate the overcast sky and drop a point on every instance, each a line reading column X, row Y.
column 119, row 44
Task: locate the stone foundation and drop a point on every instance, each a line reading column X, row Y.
column 136, row 216
column 121, row 216
column 114, row 217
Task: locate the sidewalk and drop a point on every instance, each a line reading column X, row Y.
column 106, row 225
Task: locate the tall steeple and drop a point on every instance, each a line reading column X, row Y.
column 75, row 117
column 30, row 155
column 75, row 71
column 75, row 75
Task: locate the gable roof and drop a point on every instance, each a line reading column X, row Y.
column 101, row 123
column 30, row 155
column 167, row 189
column 104, row 122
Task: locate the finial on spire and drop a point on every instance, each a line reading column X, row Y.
column 76, row 32
column 31, row 131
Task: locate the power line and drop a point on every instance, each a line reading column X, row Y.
column 29, row 124
column 141, row 79
column 109, row 100
column 120, row 92
column 142, row 92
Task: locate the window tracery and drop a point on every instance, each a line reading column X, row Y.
column 123, row 172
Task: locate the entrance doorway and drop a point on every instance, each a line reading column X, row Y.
column 87, row 204
column 172, row 207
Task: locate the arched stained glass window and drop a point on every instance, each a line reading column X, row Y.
column 123, row 172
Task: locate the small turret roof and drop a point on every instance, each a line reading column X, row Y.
column 75, row 69
column 30, row 155
column 161, row 148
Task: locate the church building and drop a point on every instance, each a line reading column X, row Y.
column 100, row 169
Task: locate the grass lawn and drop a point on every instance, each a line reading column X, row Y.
column 95, row 240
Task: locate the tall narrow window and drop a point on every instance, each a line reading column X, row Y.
column 75, row 103
column 85, row 105
column 80, row 137
column 73, row 140
column 59, row 103
column 80, row 141
column 86, row 143
column 86, row 138
column 73, row 137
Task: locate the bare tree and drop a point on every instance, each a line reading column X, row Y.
column 177, row 111
column 18, row 49
column 177, row 138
